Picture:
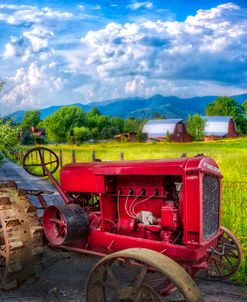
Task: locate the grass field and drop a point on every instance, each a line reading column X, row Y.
column 231, row 156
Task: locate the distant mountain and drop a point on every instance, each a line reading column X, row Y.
column 170, row 106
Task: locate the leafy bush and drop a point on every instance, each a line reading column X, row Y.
column 8, row 134
column 81, row 134
column 195, row 126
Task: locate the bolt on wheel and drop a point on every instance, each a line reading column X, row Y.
column 140, row 275
column 226, row 258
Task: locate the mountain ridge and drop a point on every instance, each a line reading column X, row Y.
column 138, row 107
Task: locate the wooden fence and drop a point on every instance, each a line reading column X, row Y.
column 18, row 155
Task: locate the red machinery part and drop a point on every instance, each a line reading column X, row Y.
column 65, row 223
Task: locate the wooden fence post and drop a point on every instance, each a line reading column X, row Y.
column 121, row 156
column 93, row 155
column 61, row 158
column 73, row 156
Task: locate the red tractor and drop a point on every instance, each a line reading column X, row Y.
column 155, row 222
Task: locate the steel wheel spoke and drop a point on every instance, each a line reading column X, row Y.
column 129, row 267
column 55, row 220
column 51, row 162
column 61, row 232
column 112, row 276
column 104, row 284
column 230, row 265
column 140, row 279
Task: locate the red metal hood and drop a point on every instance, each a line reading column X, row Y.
column 89, row 177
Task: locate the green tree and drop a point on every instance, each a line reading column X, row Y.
column 31, row 118
column 244, row 105
column 195, row 126
column 94, row 112
column 226, row 106
column 60, row 124
column 81, row 134
column 27, row 138
column 8, row 134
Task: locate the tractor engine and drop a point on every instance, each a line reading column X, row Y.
column 145, row 206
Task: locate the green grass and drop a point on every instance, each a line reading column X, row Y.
column 231, row 156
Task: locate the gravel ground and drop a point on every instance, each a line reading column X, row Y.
column 64, row 274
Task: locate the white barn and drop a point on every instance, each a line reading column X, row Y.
column 159, row 129
column 217, row 127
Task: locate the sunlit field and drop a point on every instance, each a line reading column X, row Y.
column 231, row 156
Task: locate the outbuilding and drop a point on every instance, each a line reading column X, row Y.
column 173, row 130
column 128, row 136
column 218, row 127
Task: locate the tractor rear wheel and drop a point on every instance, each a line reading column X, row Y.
column 140, row 275
column 21, row 237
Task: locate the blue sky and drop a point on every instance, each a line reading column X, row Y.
column 63, row 52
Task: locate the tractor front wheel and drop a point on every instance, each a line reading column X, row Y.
column 140, row 275
column 226, row 258
column 21, row 237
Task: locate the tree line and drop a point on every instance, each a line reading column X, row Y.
column 70, row 124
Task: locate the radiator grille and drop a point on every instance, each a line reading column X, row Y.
column 211, row 198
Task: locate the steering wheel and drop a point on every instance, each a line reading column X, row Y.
column 38, row 161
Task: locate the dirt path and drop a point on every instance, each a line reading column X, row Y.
column 64, row 274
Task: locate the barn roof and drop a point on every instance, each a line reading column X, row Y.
column 220, row 119
column 216, row 125
column 159, row 128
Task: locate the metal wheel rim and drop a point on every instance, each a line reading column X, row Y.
column 39, row 149
column 221, row 267
column 97, row 286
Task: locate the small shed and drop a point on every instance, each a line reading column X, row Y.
column 128, row 136
column 218, row 127
column 38, row 132
column 161, row 129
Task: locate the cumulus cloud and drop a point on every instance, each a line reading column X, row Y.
column 138, row 5
column 37, row 24
column 30, row 43
column 28, row 15
column 27, row 87
column 208, row 47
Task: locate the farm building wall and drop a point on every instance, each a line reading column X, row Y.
column 232, row 132
column 160, row 129
column 218, row 127
column 180, row 134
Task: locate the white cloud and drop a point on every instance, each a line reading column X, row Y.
column 26, row 14
column 37, row 29
column 138, row 5
column 29, row 44
column 206, row 50
column 38, row 38
column 81, row 7
column 13, row 48
column 27, row 88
